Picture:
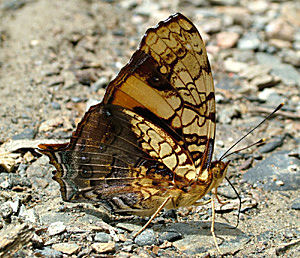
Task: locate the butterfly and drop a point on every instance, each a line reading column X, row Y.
column 149, row 144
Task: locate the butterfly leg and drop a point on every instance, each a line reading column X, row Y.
column 212, row 229
column 202, row 203
column 219, row 200
column 153, row 216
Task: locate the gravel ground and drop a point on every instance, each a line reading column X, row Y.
column 56, row 58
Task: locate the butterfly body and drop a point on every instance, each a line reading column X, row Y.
column 150, row 141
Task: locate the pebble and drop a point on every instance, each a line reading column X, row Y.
column 66, row 248
column 9, row 180
column 129, row 227
column 270, row 96
column 272, row 144
column 6, row 210
column 55, row 105
column 265, row 81
column 103, row 247
column 99, row 84
column 28, row 133
column 147, row 237
column 102, row 237
column 227, row 39
column 233, row 66
column 296, row 204
column 249, row 42
column 280, row 29
column 273, row 169
column 267, row 59
column 287, row 73
column 170, row 236
column 56, row 228
column 253, row 71
column 48, row 252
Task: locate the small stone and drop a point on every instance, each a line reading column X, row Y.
column 129, row 227
column 249, row 42
column 250, row 72
column 257, row 7
column 296, row 204
column 227, row 39
column 287, row 73
column 170, row 236
column 6, row 210
column 272, row 145
column 102, row 237
column 275, row 167
column 279, row 183
column 267, row 59
column 48, row 252
column 212, row 25
column 280, row 29
column 55, row 105
column 265, row 81
column 100, row 83
column 291, row 57
column 66, row 248
column 76, row 99
column 56, row 228
column 279, row 43
column 28, row 133
column 270, row 96
column 234, row 66
column 103, row 247
column 147, row 237
column 86, row 77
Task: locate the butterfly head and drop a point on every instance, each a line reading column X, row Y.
column 219, row 171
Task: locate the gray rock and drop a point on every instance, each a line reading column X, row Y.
column 129, row 227
column 28, row 133
column 274, row 173
column 66, row 248
column 6, row 210
column 49, row 253
column 55, row 105
column 287, row 73
column 170, row 236
column 291, row 57
column 99, row 84
column 296, row 204
column 267, row 59
column 272, row 145
column 226, row 114
column 249, row 42
column 102, row 237
column 56, row 228
column 271, row 97
column 147, row 237
column 265, row 81
column 9, row 180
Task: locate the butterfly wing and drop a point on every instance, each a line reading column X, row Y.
column 154, row 129
column 169, row 82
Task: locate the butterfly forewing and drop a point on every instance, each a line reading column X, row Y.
column 152, row 136
column 169, row 82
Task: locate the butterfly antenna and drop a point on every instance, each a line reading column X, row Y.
column 242, row 138
column 244, row 148
column 240, row 201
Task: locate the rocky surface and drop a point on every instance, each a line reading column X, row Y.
column 56, row 58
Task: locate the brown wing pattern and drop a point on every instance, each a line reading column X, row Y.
column 168, row 81
column 152, row 136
